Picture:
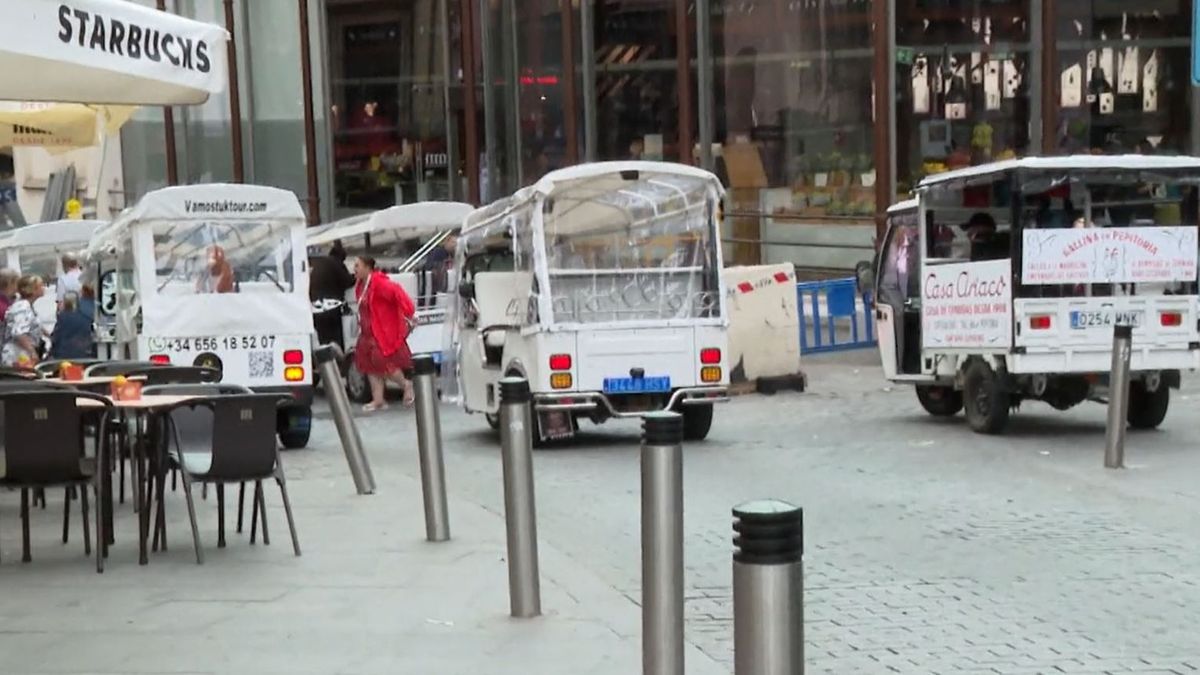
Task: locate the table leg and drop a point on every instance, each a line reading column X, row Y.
column 139, row 457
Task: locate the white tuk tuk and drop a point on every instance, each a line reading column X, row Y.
column 38, row 249
column 601, row 286
column 216, row 276
column 1003, row 283
column 405, row 241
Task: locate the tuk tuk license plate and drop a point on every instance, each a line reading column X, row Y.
column 1082, row 320
column 637, row 385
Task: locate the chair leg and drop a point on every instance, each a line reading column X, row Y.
column 67, row 515
column 241, row 505
column 174, row 477
column 287, row 509
column 87, row 535
column 187, row 491
column 262, row 510
column 121, row 477
column 220, row 515
column 101, row 535
column 254, row 516
column 40, row 497
column 25, row 557
column 160, row 511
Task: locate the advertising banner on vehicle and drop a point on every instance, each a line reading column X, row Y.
column 967, row 305
column 1109, row 255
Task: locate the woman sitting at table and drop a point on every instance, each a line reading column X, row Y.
column 22, row 330
column 72, row 338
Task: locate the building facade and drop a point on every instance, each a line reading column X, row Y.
column 815, row 113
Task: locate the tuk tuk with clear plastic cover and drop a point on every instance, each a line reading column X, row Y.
column 216, row 276
column 601, row 286
column 412, row 244
column 1003, row 283
column 39, row 249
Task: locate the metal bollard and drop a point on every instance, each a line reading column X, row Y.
column 1118, row 398
column 662, row 544
column 327, row 358
column 429, row 447
column 768, row 589
column 520, row 517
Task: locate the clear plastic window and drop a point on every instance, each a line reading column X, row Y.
column 223, row 257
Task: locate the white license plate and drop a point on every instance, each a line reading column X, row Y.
column 1107, row 318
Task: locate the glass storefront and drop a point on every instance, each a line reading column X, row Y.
column 963, row 84
column 789, row 107
column 1123, row 77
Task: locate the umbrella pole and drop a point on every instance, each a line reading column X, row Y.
column 310, row 132
column 235, row 99
column 169, row 131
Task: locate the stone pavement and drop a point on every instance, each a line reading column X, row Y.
column 930, row 549
column 368, row 595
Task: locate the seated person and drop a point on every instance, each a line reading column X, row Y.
column 986, row 242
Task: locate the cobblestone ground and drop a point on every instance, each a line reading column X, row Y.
column 929, row 549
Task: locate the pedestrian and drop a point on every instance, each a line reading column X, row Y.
column 22, row 330
column 385, row 315
column 73, row 337
column 70, row 281
column 8, row 291
column 329, row 280
column 217, row 276
column 87, row 301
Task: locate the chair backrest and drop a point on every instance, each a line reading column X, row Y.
column 194, row 425
column 243, row 435
column 33, row 385
column 159, row 375
column 43, row 434
column 114, row 368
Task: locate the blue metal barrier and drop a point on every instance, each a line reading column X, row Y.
column 840, row 298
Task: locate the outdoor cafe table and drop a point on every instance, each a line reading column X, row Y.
column 144, row 408
column 101, row 384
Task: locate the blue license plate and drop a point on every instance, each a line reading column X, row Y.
column 636, row 385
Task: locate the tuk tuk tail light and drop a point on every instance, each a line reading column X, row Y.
column 293, row 373
column 710, row 374
column 1041, row 322
column 710, row 356
column 560, row 362
column 160, row 359
column 1170, row 319
column 293, row 357
column 561, row 381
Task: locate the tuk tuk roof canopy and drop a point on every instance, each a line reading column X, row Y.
column 905, row 205
column 421, row 219
column 639, row 190
column 51, row 233
column 108, row 52
column 202, row 203
column 1066, row 163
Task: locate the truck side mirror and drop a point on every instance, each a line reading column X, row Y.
column 466, row 290
column 865, row 276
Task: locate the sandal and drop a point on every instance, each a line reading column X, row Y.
column 371, row 407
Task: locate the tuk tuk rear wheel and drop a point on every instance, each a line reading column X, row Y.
column 1147, row 409
column 986, row 399
column 940, row 401
column 697, row 422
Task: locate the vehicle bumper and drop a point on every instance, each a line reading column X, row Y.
column 1099, row 360
column 303, row 395
column 589, row 401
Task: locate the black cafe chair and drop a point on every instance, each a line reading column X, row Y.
column 44, row 437
column 241, row 446
column 191, row 423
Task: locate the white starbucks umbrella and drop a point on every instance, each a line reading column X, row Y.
column 107, row 52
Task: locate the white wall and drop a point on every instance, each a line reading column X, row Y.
column 98, row 170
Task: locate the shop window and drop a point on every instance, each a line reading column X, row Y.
column 963, row 85
column 1123, row 77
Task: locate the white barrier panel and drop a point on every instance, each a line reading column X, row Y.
column 764, row 326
